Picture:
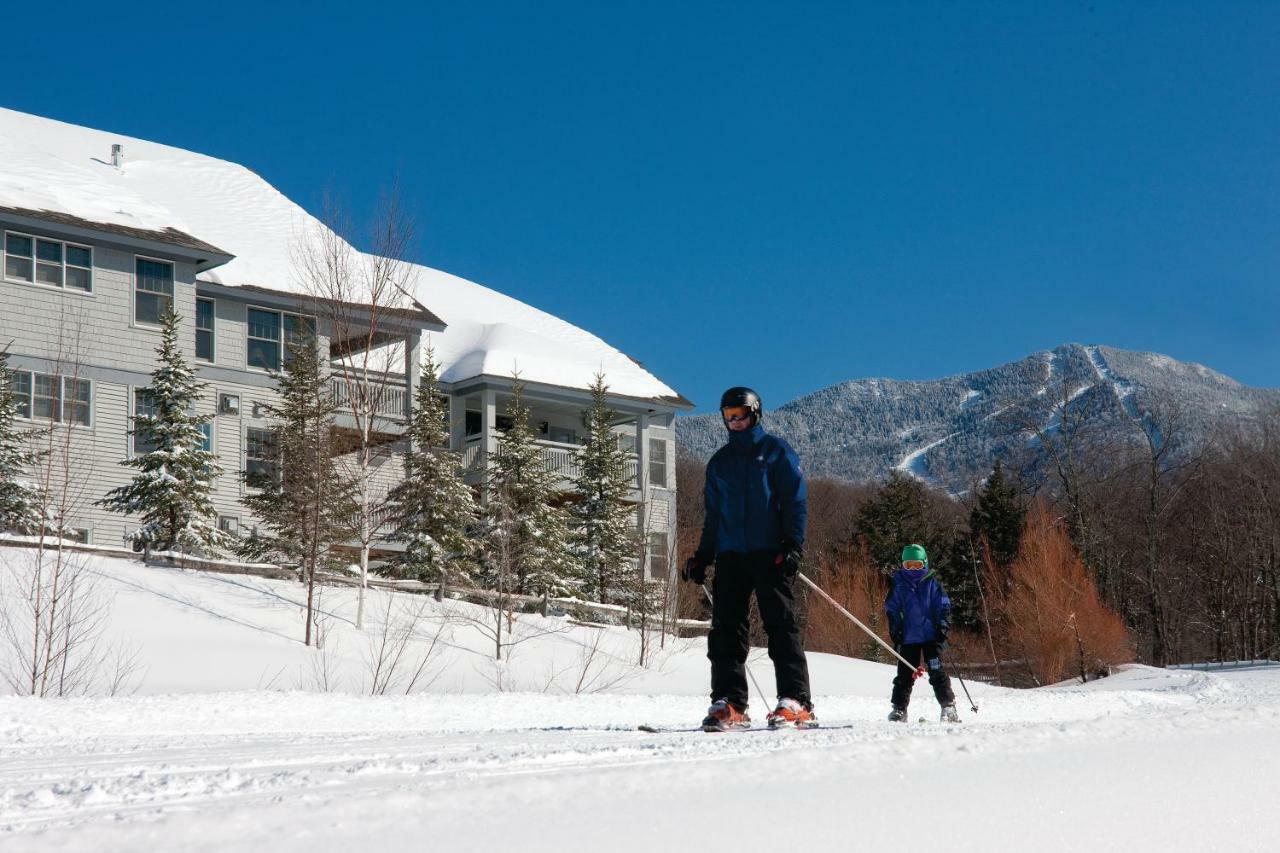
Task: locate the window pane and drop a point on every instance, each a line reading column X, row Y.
column 264, row 324
column 81, row 279
column 142, row 406
column 658, row 463
column 18, row 268
column 204, row 345
column 49, row 251
column 79, row 256
column 17, row 245
column 264, row 354
column 46, row 401
column 151, row 307
column 22, row 392
column 78, row 395
column 155, row 276
column 206, row 437
column 49, row 274
column 260, row 457
column 204, row 314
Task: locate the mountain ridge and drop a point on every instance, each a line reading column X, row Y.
column 949, row 431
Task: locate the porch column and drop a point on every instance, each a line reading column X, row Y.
column 457, row 422
column 642, row 483
column 412, row 370
column 488, row 424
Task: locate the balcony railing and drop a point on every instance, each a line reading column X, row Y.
column 563, row 460
column 389, row 397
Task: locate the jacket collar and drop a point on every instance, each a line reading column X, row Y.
column 746, row 440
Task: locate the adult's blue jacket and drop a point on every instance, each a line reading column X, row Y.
column 755, row 496
column 917, row 606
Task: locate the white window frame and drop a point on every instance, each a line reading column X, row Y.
column 212, row 330
column 130, row 436
column 35, row 239
column 281, row 342
column 244, row 455
column 133, row 293
column 664, row 555
column 666, row 463
column 30, row 417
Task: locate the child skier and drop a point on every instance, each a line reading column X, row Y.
column 919, row 615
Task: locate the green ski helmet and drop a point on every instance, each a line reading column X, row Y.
column 915, row 552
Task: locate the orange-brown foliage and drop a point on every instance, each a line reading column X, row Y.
column 850, row 580
column 1051, row 611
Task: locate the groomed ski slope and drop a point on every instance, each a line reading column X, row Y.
column 1146, row 760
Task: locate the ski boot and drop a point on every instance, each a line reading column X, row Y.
column 898, row 715
column 790, row 714
column 949, row 714
column 723, row 717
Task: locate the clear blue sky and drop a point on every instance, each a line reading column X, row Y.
column 744, row 193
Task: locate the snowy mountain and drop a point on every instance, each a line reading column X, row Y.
column 950, row 431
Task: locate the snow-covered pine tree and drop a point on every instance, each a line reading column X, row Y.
column 305, row 504
column 174, row 479
column 433, row 507
column 20, row 503
column 605, row 535
column 521, row 518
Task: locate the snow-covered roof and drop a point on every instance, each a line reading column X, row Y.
column 60, row 168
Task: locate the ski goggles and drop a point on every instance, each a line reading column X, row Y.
column 736, row 413
column 913, row 564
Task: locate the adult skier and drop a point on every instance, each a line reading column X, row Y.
column 919, row 617
column 754, row 534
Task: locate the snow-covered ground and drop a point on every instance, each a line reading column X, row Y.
column 1146, row 760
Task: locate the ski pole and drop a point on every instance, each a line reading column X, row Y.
column 750, row 674
column 972, row 707
column 916, row 671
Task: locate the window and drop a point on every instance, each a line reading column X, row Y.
column 46, row 397
column 261, row 459
column 154, row 293
column 657, row 463
column 659, row 556
column 265, row 336
column 206, row 437
column 297, row 332
column 143, row 406
column 35, row 259
column 78, row 396
column 229, row 524
column 22, row 392
column 19, row 257
column 204, row 329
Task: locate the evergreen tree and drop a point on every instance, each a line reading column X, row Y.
column 998, row 517
column 433, row 506
column 304, row 503
column 175, row 476
column 20, row 503
column 898, row 515
column 522, row 524
column 605, row 535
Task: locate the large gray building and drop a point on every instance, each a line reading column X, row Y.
column 100, row 233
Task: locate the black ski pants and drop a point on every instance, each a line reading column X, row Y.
column 737, row 577
column 938, row 678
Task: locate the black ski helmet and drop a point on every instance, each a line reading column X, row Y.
column 741, row 396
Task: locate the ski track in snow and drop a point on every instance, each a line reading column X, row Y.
column 188, row 764
column 913, row 463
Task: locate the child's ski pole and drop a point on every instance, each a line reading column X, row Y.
column 972, row 706
column 750, row 674
column 916, row 671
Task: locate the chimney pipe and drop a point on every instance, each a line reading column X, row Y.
column 117, row 155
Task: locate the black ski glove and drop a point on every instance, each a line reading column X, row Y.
column 790, row 559
column 695, row 569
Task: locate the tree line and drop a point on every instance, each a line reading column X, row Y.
column 1101, row 552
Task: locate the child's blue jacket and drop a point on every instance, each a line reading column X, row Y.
column 917, row 606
